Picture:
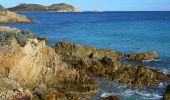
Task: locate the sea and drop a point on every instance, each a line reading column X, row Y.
column 127, row 32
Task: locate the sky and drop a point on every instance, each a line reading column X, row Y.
column 104, row 5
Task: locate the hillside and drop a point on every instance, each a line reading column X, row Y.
column 62, row 7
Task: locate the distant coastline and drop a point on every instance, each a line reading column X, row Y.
column 61, row 7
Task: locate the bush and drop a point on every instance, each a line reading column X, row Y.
column 21, row 37
column 2, row 8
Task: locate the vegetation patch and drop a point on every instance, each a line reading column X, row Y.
column 22, row 37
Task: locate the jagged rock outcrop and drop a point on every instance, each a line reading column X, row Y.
column 62, row 7
column 35, row 63
column 11, row 17
column 68, row 51
column 106, row 64
column 142, row 56
column 134, row 76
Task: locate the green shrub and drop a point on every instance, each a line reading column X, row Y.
column 21, row 37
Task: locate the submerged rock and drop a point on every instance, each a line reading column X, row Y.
column 134, row 76
column 111, row 98
column 68, row 51
column 142, row 56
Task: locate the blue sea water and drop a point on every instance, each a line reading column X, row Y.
column 126, row 32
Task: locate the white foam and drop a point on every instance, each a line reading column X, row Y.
column 106, row 94
column 142, row 94
column 150, row 60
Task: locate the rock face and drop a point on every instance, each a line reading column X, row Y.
column 68, row 51
column 105, row 64
column 62, row 7
column 11, row 17
column 142, row 56
column 167, row 93
column 35, row 63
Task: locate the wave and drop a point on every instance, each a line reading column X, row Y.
column 156, row 60
column 140, row 95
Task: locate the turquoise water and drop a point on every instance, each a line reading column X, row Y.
column 127, row 32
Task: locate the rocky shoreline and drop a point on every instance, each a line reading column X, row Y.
column 31, row 70
column 7, row 16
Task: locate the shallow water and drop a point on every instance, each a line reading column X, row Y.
column 127, row 32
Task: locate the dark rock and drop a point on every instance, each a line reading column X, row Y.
column 47, row 39
column 134, row 76
column 111, row 98
column 142, row 56
column 166, row 96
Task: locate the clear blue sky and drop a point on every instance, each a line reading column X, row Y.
column 106, row 5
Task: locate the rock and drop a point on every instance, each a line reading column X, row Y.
column 8, row 84
column 51, row 96
column 133, row 76
column 97, row 11
column 61, row 7
column 68, row 51
column 36, row 63
column 166, row 96
column 47, row 39
column 40, row 89
column 11, row 17
column 72, row 96
column 111, row 98
column 142, row 56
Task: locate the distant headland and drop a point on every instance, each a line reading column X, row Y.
column 61, row 7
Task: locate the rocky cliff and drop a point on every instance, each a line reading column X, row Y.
column 33, row 63
column 62, row 7
column 11, row 17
